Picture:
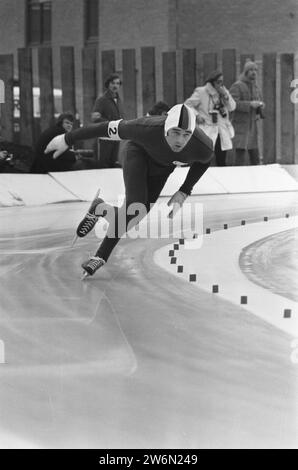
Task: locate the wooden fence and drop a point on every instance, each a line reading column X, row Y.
column 179, row 73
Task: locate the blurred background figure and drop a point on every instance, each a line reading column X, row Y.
column 212, row 104
column 159, row 109
column 15, row 158
column 70, row 160
column 249, row 108
column 5, row 159
column 108, row 107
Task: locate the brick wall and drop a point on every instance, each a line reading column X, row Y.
column 254, row 26
column 133, row 23
column 12, row 32
column 68, row 30
column 248, row 25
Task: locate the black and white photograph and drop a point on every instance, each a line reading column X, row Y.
column 148, row 227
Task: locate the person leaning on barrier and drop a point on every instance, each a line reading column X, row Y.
column 156, row 145
column 249, row 108
column 68, row 160
column 212, row 104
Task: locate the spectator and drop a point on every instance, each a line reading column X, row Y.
column 212, row 103
column 108, row 107
column 45, row 163
column 249, row 108
column 159, row 109
column 4, row 160
column 15, row 158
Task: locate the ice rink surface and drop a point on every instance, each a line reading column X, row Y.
column 134, row 357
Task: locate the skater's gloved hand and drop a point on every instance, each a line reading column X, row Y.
column 57, row 145
column 176, row 201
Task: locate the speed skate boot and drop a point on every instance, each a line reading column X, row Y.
column 90, row 219
column 92, row 265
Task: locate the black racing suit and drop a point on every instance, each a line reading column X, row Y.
column 147, row 164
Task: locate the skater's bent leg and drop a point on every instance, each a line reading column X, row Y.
column 126, row 217
column 135, row 174
column 131, row 212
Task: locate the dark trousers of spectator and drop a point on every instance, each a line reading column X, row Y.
column 220, row 155
column 254, row 157
column 108, row 154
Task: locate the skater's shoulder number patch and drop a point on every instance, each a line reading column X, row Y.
column 113, row 130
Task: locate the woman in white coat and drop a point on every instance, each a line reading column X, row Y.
column 212, row 104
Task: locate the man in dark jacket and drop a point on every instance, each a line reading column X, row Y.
column 108, row 107
column 45, row 163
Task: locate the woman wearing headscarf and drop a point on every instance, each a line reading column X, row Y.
column 212, row 104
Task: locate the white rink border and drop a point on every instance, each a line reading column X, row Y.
column 217, row 263
column 31, row 189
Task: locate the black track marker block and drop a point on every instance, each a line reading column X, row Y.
column 179, row 269
column 243, row 299
column 173, row 260
column 192, row 277
column 215, row 289
column 287, row 313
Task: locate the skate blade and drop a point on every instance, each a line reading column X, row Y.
column 85, row 275
column 97, row 193
column 74, row 241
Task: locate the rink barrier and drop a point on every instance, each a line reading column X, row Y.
column 292, row 170
column 29, row 189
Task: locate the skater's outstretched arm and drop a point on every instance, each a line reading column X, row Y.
column 59, row 144
column 114, row 130
column 195, row 172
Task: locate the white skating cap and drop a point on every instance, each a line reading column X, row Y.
column 180, row 116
